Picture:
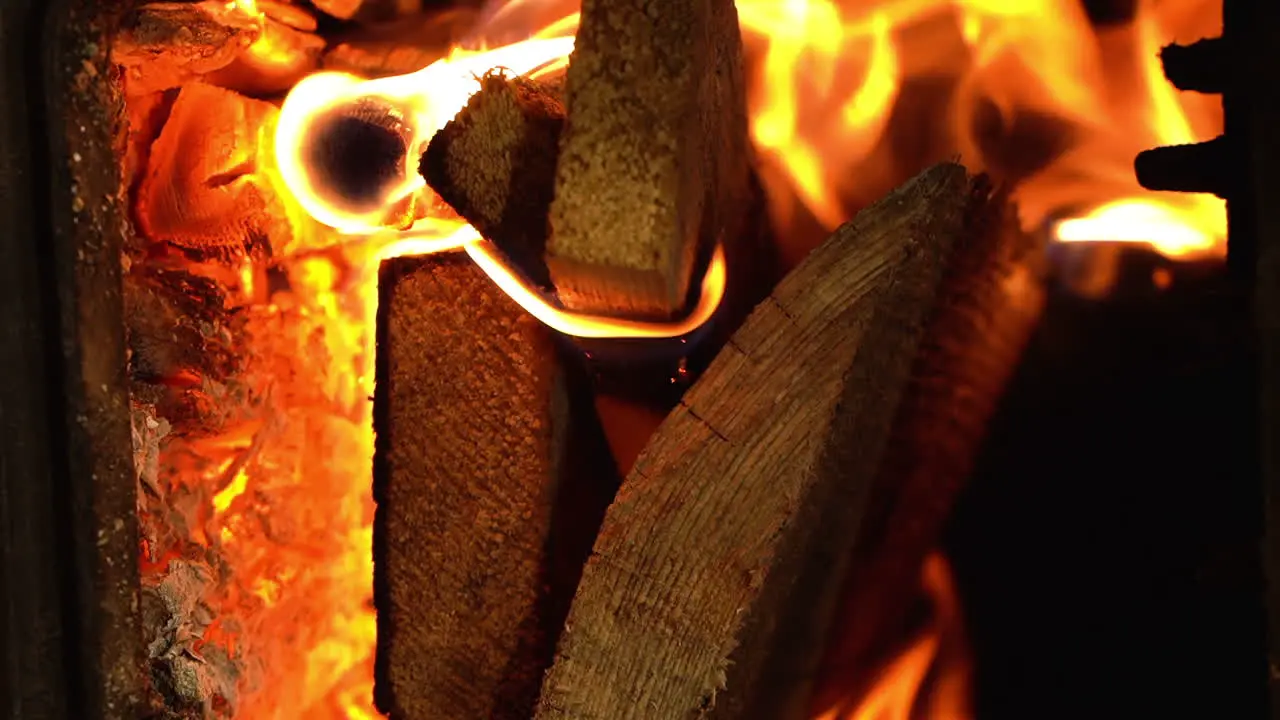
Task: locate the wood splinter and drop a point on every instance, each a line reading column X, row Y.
column 859, row 385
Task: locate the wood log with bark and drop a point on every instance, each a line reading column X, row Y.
column 491, row 477
column 830, row 433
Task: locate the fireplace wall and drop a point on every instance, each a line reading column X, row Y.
column 69, row 640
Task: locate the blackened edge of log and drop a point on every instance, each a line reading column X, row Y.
column 177, row 323
column 586, row 483
column 495, row 164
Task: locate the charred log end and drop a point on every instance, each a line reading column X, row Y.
column 357, row 153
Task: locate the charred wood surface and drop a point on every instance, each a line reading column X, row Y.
column 491, row 477
column 732, row 530
column 164, row 45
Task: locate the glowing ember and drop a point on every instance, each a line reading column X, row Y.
column 283, row 493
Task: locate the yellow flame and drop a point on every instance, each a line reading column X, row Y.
column 428, row 99
column 1169, row 231
column 233, row 490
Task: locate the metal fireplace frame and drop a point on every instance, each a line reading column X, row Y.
column 70, row 643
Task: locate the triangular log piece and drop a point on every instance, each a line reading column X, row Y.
column 735, row 526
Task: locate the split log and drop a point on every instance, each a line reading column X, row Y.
column 202, row 190
column 491, row 476
column 732, row 530
column 495, row 164
column 654, row 161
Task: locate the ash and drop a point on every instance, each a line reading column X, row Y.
column 195, row 679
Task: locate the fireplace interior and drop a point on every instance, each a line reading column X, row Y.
column 817, row 360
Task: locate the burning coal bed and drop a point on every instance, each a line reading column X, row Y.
column 610, row 366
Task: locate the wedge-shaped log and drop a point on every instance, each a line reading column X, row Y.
column 733, row 529
column 654, row 159
column 491, row 476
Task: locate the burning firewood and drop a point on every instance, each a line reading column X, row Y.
column 164, row 45
column 654, row 160
column 495, row 164
column 201, row 190
column 281, row 56
column 341, row 9
column 491, row 477
column 400, row 46
column 837, row 422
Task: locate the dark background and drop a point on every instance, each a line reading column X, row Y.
column 1107, row 549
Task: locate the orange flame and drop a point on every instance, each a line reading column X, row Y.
column 829, row 80
column 930, row 677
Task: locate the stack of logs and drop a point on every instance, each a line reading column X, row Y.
column 531, row 559
column 775, row 523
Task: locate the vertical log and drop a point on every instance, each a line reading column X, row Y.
column 654, row 161
column 491, row 476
